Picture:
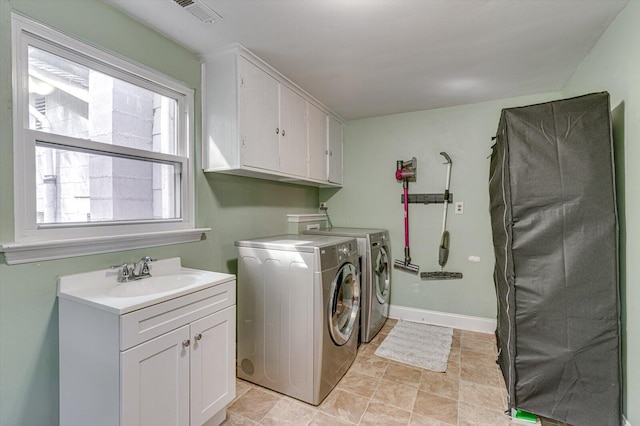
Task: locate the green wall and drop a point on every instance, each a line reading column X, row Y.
column 371, row 198
column 233, row 207
column 238, row 208
column 613, row 66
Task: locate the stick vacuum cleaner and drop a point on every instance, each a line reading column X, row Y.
column 406, row 170
column 443, row 249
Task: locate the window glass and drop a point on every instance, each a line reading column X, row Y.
column 74, row 100
column 82, row 187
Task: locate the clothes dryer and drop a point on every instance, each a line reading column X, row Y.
column 298, row 307
column 374, row 248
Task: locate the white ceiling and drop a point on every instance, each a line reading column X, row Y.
column 366, row 58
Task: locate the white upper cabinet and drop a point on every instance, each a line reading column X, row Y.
column 317, row 152
column 259, row 120
column 334, row 147
column 257, row 123
column 293, row 133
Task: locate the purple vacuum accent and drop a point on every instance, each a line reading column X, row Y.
column 406, row 170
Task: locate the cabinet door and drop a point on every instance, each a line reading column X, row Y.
column 335, row 151
column 154, row 381
column 316, row 157
column 293, row 133
column 213, row 379
column 258, row 117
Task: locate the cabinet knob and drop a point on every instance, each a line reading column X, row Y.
column 198, row 336
column 330, row 153
column 277, row 130
column 282, row 132
column 186, row 343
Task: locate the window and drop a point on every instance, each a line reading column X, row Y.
column 102, row 146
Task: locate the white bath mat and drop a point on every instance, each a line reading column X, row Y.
column 422, row 345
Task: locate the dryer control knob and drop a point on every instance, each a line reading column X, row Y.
column 344, row 250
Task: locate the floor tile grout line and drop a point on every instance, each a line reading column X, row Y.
column 455, row 357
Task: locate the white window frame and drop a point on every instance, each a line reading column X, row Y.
column 67, row 240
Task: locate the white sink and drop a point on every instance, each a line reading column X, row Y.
column 153, row 285
column 168, row 280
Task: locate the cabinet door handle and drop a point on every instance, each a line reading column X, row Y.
column 282, row 132
column 198, row 336
column 186, row 343
column 277, row 130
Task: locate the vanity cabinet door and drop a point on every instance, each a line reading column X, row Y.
column 155, row 381
column 259, row 120
column 212, row 364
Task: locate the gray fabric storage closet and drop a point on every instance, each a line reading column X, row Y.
column 555, row 236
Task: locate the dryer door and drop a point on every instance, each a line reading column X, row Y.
column 382, row 276
column 344, row 304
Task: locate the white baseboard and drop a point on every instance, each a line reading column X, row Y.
column 626, row 422
column 463, row 322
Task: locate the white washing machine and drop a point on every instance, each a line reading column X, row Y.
column 298, row 304
column 375, row 264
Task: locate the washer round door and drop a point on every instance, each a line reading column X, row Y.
column 344, row 304
column 382, row 276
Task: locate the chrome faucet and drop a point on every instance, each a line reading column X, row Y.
column 141, row 269
column 135, row 271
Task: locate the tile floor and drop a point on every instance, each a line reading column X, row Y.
column 377, row 391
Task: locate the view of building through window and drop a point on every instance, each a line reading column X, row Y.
column 74, row 185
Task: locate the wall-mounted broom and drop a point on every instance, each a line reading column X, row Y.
column 406, row 170
column 443, row 249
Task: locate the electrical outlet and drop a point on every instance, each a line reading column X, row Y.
column 459, row 207
column 323, row 205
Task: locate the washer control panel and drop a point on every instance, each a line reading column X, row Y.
column 346, row 250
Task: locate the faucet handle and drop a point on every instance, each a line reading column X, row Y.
column 123, row 266
column 145, row 265
column 123, row 271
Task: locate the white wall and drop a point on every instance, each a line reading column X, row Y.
column 371, row 197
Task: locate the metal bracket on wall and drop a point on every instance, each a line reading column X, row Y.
column 427, row 198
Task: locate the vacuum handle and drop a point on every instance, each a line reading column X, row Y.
column 447, row 182
column 406, row 214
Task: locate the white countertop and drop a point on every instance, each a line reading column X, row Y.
column 97, row 288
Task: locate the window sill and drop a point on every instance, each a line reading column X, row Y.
column 17, row 253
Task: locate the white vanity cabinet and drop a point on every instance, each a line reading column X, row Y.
column 170, row 362
column 183, row 374
column 257, row 123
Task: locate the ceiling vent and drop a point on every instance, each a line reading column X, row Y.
column 199, row 10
